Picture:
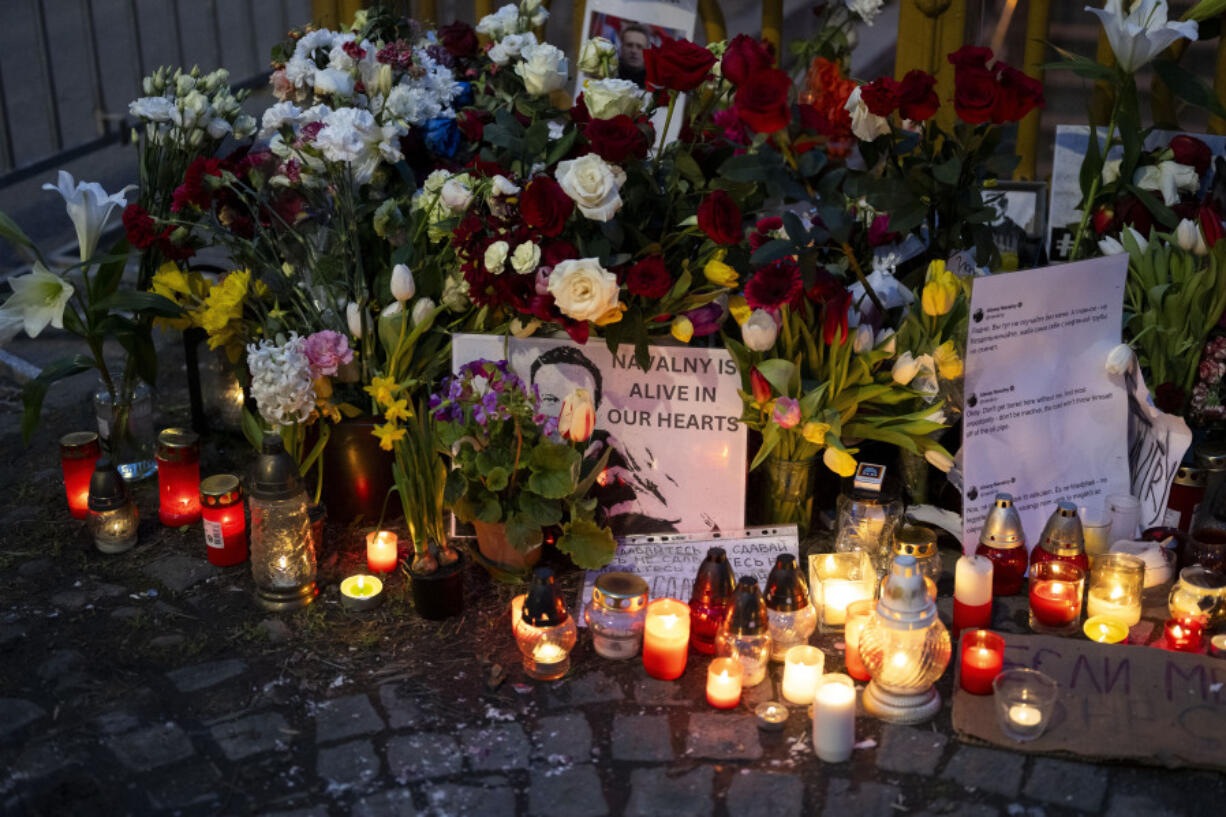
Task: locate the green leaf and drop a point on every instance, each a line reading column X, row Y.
column 497, row 478
column 588, row 545
column 949, row 171
column 689, row 168
column 522, row 533
column 772, row 250
column 143, row 302
column 1188, row 86
column 1159, row 210
column 779, row 373
column 456, row 485
column 1091, row 166
column 10, row 232
column 35, row 391
column 1081, row 66
column 542, row 512
column 106, row 279
column 554, row 470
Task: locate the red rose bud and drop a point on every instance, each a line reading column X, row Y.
column 678, row 65
column 1102, row 219
column 616, row 139
column 649, row 278
column 881, row 96
column 1191, row 151
column 1210, row 225
column 970, row 56
column 762, row 101
column 744, row 57
column 761, row 388
column 917, row 96
column 720, row 218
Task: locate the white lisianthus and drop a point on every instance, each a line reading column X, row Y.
column 607, row 98
column 421, row 308
column 526, row 258
column 543, row 69
column 867, row 10
column 334, row 82
column 759, row 331
column 152, row 108
column 403, row 285
column 1140, row 33
column 1119, row 359
column 456, row 193
column 276, row 117
column 89, row 207
column 352, row 136
column 496, row 257
column 593, row 184
column 501, row 23
column 598, row 58
column 502, row 186
column 865, row 124
column 583, row 290
column 39, row 298
column 510, row 47
column 281, row 380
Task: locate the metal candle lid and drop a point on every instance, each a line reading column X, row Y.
column 544, row 606
column 275, row 475
column 748, row 613
column 1211, row 456
column 107, row 491
column 905, row 603
column 620, row 591
column 1191, row 476
column 786, row 591
column 220, row 490
column 1062, row 535
column 80, row 445
column 915, row 540
column 715, row 582
column 1002, row 529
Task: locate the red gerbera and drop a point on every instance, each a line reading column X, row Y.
column 774, row 285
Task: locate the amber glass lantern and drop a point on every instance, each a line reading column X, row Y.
column 792, row 617
column 79, row 452
column 113, row 517
column 225, row 524
column 745, row 633
column 905, row 648
column 710, row 598
column 282, row 551
column 178, row 461
column 547, row 632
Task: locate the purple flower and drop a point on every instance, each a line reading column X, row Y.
column 326, row 351
column 787, row 412
column 706, row 319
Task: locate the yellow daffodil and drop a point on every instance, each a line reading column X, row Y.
column 682, row 329
column 739, row 309
column 815, row 432
column 839, row 461
column 949, row 364
column 720, row 274
column 941, row 290
column 398, row 411
column 383, row 389
column 389, row 434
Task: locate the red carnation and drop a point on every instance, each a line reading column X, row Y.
column 720, row 218
column 775, row 285
column 1191, row 151
column 975, row 94
column 649, row 278
column 917, row 99
column 1017, row 95
column 459, row 38
column 615, row 139
column 193, row 190
column 881, row 96
column 678, row 65
column 140, row 228
column 744, row 57
column 545, row 206
column 762, row 101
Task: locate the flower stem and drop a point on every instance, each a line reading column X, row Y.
column 1096, row 183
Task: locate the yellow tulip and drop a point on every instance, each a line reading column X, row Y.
column 815, row 432
column 949, row 364
column 720, row 274
column 839, row 461
column 941, row 290
column 740, row 309
column 682, row 329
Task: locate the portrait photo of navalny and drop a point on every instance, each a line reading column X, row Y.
column 631, row 38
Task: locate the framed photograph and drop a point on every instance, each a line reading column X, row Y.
column 1021, row 222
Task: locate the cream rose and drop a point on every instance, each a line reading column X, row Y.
column 526, row 258
column 543, row 69
column 594, row 184
column 607, row 98
column 583, row 290
column 598, row 58
column 496, row 257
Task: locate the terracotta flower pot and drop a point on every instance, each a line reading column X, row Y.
column 499, row 557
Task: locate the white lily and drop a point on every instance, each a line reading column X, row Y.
column 1168, row 177
column 1142, row 32
column 38, row 298
column 89, row 207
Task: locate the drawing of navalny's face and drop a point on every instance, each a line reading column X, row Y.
column 556, row 380
column 634, row 42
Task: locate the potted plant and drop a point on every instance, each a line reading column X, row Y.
column 517, row 472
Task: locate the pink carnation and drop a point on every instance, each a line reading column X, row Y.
column 326, row 351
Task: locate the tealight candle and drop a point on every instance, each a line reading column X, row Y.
column 1105, row 630
column 838, row 579
column 724, row 683
column 1025, row 716
column 382, row 551
column 1185, row 634
column 834, row 718
column 858, row 615
column 1217, row 646
column 361, row 592
column 983, row 657
column 666, row 638
column 802, row 669
column 1025, row 700
column 772, row 715
column 972, row 593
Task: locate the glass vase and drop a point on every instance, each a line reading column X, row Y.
column 914, row 470
column 789, row 492
column 126, row 427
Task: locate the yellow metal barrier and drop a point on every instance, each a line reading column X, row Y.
column 935, row 28
column 712, row 17
column 427, row 11
column 772, row 23
column 1032, row 64
column 334, row 13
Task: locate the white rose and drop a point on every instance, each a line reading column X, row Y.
column 598, row 58
column 511, row 47
column 759, row 331
column 526, row 258
column 865, row 124
column 594, row 184
column 496, row 257
column 334, row 82
column 583, row 290
column 456, row 195
column 502, row 186
column 543, row 69
column 607, row 98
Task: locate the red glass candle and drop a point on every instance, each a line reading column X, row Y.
column 1040, row 555
column 1054, row 603
column 1008, row 568
column 666, row 638
column 225, row 525
column 1185, row 634
column 983, row 657
column 858, row 615
column 712, row 594
column 79, row 451
column 704, row 624
column 178, row 459
column 382, row 551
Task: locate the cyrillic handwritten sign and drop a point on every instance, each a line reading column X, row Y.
column 1116, row 701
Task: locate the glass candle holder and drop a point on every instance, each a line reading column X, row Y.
column 1199, row 593
column 1116, row 582
column 1185, row 634
column 1159, row 561
column 710, row 598
column 788, row 609
column 1105, row 630
column 616, row 613
column 858, row 615
column 225, row 522
column 1056, row 589
column 1186, row 494
column 178, row 462
column 1003, row 541
column 517, row 612
column 724, row 683
column 1206, row 545
column 382, row 551
column 920, row 542
column 1125, row 511
column 835, row 581
column 983, row 657
column 1063, row 539
column 113, row 518
column 834, row 718
column 972, row 593
column 802, row 669
column 282, row 552
column 1025, row 700
column 1096, row 527
column 79, row 453
column 745, row 633
column 866, row 520
column 361, row 593
column 547, row 632
column 666, row 638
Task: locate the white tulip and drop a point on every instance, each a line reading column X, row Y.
column 939, row 459
column 353, row 317
column 906, row 367
column 422, row 308
column 1119, row 359
column 863, row 340
column 886, row 340
column 759, row 331
column 403, row 285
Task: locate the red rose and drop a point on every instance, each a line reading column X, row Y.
column 472, row 122
column 1018, row 95
column 678, row 65
column 556, row 251
column 975, row 93
column 720, row 218
column 615, row 139
column 579, row 113
column 545, row 206
column 744, row 57
column 649, row 278
column 917, row 99
column 970, row 56
column 881, row 96
column 1210, row 225
column 459, row 38
column 140, row 228
column 1192, row 152
column 762, row 101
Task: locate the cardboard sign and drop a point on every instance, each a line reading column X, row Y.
column 1044, row 421
column 1116, row 702
column 669, row 563
column 1157, row 442
column 678, row 462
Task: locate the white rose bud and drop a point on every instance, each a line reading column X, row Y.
column 1119, row 359
column 496, row 257
column 403, row 285
column 598, row 58
column 421, row 308
column 456, row 195
column 607, row 98
column 583, row 290
column 906, row 367
column 594, row 184
column 759, row 331
column 353, row 317
column 526, row 258
column 543, row 69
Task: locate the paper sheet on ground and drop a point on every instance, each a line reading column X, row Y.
column 1043, row 419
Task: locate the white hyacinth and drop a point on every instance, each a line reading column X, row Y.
column 281, row 380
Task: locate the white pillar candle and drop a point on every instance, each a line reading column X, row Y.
column 1112, row 602
column 834, row 718
column 802, row 669
column 973, row 581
